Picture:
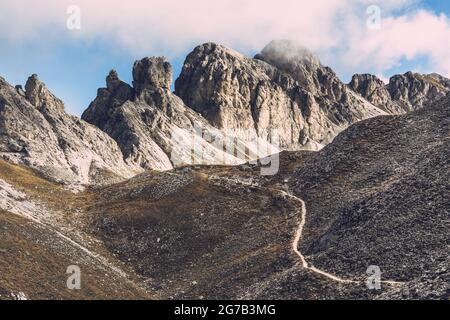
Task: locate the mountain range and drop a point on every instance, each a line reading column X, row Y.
column 226, row 109
column 163, row 191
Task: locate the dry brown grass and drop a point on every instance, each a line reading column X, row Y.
column 32, row 261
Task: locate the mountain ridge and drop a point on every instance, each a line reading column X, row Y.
column 226, row 109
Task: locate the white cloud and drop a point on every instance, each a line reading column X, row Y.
column 169, row 27
column 172, row 24
column 417, row 34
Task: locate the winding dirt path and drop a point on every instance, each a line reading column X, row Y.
column 298, row 237
column 299, row 233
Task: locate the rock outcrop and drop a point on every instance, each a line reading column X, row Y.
column 284, row 89
column 115, row 94
column 404, row 93
column 413, row 91
column 39, row 96
column 37, row 132
column 376, row 92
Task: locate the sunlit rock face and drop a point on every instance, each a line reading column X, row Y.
column 284, row 88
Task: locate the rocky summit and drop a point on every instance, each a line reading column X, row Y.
column 284, row 89
column 156, row 194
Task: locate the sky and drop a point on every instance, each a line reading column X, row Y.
column 72, row 44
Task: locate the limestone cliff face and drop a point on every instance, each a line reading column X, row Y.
column 234, row 91
column 113, row 112
column 36, row 131
column 284, row 89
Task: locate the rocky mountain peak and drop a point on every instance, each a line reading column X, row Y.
column 284, row 89
column 370, row 87
column 375, row 91
column 305, row 68
column 152, row 72
column 37, row 132
column 297, row 61
column 404, row 93
column 441, row 79
column 39, row 96
column 213, row 50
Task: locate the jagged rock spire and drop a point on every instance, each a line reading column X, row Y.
column 39, row 96
column 152, row 72
column 112, row 80
column 116, row 93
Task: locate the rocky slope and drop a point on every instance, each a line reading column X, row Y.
column 156, row 130
column 40, row 237
column 378, row 195
column 403, row 93
column 284, row 91
column 36, row 131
